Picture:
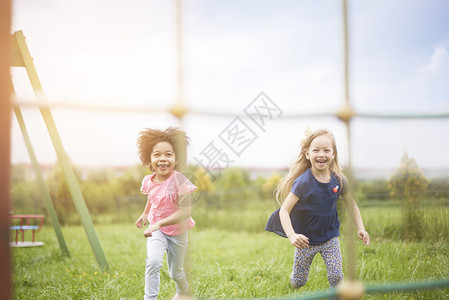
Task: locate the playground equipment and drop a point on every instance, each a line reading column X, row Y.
column 21, row 227
column 22, row 58
column 39, row 176
column 345, row 114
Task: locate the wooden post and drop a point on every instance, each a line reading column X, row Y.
column 5, row 152
column 346, row 114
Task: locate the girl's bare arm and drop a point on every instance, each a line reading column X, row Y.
column 297, row 240
column 142, row 220
column 177, row 217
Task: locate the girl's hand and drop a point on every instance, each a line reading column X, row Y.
column 299, row 241
column 142, row 221
column 364, row 236
column 149, row 231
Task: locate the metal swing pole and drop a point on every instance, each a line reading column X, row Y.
column 71, row 180
column 40, row 179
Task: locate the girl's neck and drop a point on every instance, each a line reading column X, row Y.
column 323, row 176
column 160, row 179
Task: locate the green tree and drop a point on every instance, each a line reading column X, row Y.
column 258, row 186
column 26, row 198
column 205, row 187
column 25, row 192
column 99, row 197
column 100, row 175
column 233, row 186
column 408, row 184
column 203, row 180
column 373, row 189
column 270, row 185
column 18, row 173
column 128, row 184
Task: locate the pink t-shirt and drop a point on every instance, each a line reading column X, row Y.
column 164, row 198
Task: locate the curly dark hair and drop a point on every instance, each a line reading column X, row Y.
column 148, row 138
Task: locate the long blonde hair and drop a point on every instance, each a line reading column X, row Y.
column 302, row 164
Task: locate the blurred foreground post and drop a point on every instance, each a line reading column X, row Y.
column 179, row 110
column 5, row 146
column 346, row 114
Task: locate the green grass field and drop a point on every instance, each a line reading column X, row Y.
column 221, row 264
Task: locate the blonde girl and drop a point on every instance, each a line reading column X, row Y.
column 308, row 215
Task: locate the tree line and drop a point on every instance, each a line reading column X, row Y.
column 105, row 190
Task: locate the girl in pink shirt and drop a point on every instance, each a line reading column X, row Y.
column 167, row 209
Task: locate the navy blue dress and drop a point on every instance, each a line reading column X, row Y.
column 315, row 214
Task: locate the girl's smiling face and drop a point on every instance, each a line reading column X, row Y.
column 321, row 153
column 163, row 161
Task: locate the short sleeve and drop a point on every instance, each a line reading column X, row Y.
column 145, row 185
column 298, row 187
column 184, row 185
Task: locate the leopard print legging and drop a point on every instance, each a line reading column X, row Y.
column 331, row 253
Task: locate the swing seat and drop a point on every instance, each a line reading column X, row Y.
column 24, row 226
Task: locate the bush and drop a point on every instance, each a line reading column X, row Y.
column 375, row 189
column 408, row 184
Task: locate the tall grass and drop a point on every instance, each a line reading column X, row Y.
column 388, row 219
column 225, row 261
column 42, row 273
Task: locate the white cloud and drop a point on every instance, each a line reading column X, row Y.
column 427, row 89
column 439, row 61
column 423, row 89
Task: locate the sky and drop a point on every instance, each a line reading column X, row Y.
column 123, row 54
